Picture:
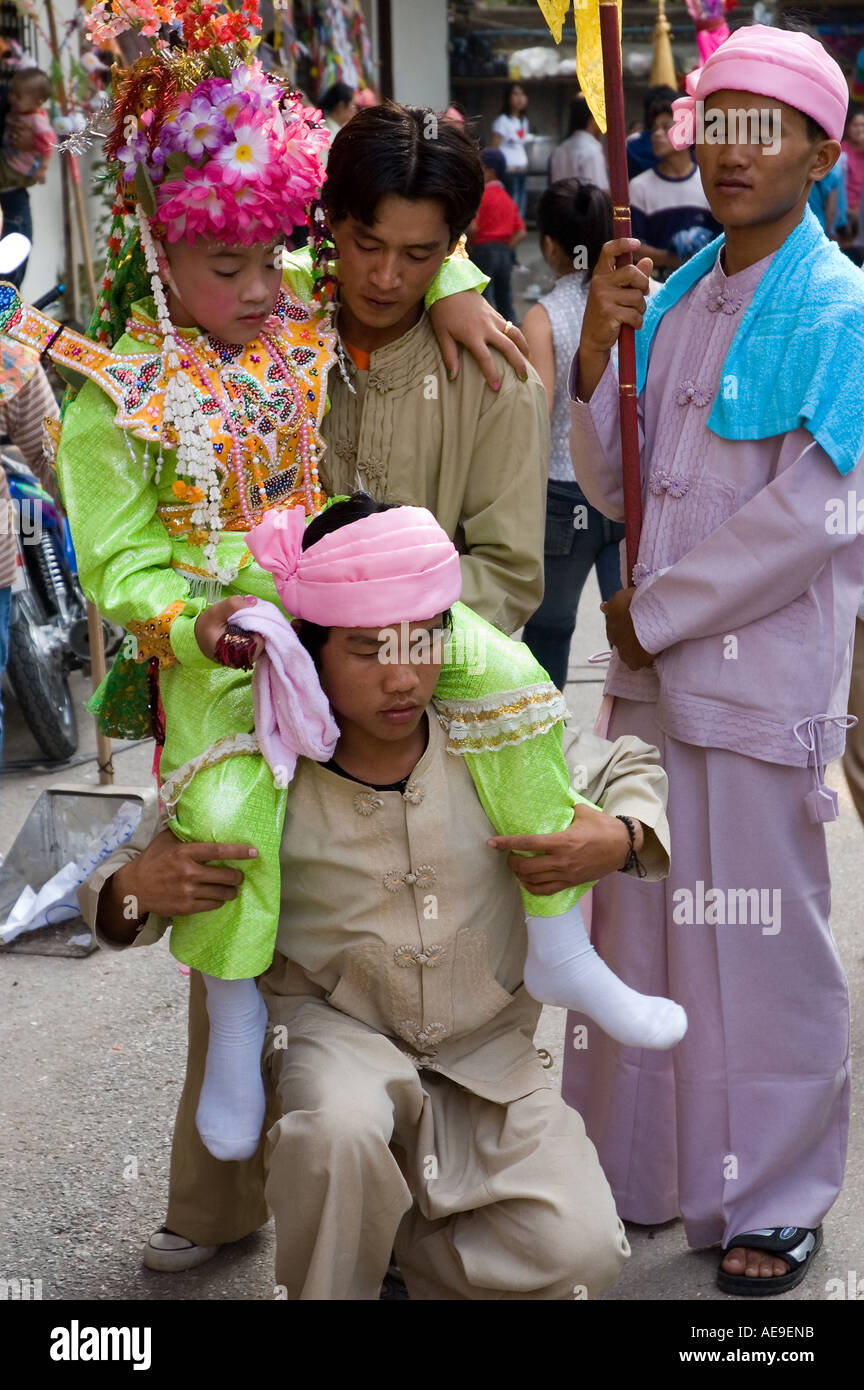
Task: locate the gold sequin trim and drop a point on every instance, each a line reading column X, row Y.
column 542, row 697
column 501, row 740
column 474, row 726
column 154, row 635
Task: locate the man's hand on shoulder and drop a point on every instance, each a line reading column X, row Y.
column 593, row 845
column 171, row 878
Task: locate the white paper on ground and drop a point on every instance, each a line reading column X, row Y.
column 57, row 900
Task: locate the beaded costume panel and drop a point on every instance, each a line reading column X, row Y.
column 243, row 393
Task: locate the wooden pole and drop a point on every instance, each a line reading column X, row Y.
column 619, row 187
column 94, row 622
column 96, row 638
column 83, row 227
column 73, row 288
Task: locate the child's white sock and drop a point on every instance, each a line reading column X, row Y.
column 231, row 1109
column 563, row 968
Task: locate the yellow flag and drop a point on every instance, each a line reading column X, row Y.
column 589, row 52
column 554, row 13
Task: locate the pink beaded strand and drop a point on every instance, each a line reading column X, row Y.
column 236, row 445
column 307, row 428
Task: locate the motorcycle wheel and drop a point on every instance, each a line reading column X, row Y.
column 40, row 683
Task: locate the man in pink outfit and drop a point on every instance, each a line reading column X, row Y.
column 733, row 657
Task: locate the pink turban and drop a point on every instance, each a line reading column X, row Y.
column 390, row 567
column 790, row 67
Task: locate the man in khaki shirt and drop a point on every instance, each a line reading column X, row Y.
column 399, row 192
column 412, row 1107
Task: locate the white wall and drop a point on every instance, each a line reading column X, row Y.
column 420, row 65
column 46, row 265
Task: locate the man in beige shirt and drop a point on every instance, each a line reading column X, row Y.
column 402, row 185
column 411, row 1105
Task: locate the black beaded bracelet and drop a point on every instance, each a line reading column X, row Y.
column 632, row 861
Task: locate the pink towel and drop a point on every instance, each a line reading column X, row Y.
column 292, row 713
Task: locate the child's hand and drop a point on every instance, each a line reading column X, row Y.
column 212, row 624
column 469, row 319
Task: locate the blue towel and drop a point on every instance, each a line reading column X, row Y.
column 798, row 355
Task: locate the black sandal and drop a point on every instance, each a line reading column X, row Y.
column 795, row 1244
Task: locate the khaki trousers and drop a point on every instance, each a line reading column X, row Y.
column 501, row 1201
column 519, row 1207
column 853, row 758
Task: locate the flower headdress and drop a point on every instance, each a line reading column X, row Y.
column 205, row 143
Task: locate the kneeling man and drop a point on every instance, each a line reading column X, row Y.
column 416, row 1114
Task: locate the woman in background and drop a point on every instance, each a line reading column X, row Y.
column 574, row 220
column 510, row 134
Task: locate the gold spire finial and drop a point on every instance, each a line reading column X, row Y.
column 663, row 66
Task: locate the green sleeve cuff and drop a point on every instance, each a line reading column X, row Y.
column 455, row 275
column 184, row 643
column 298, row 274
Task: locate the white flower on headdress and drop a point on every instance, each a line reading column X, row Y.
column 242, row 76
column 200, row 130
column 249, row 154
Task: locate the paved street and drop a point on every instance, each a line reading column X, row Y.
column 94, row 1053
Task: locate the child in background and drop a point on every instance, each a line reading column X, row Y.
column 853, row 151
column 671, row 216
column 495, row 231
column 28, row 90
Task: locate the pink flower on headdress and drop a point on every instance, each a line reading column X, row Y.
column 191, row 205
column 248, row 155
column 246, row 198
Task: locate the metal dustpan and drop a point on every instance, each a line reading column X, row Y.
column 70, row 828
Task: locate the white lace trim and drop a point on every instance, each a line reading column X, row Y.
column 229, row 747
column 503, row 719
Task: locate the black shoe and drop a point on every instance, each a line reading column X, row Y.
column 393, row 1285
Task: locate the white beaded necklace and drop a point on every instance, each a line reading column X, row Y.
column 195, row 456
